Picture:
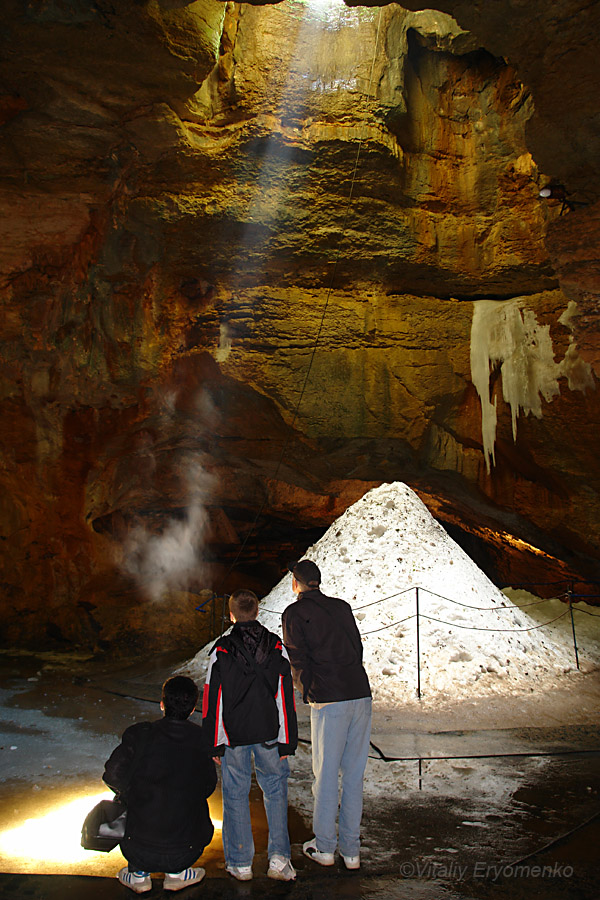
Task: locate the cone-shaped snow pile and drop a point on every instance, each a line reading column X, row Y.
column 472, row 639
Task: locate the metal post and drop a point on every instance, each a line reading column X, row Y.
column 418, row 648
column 569, row 596
column 223, row 612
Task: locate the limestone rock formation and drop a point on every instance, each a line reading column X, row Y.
column 553, row 47
column 249, row 258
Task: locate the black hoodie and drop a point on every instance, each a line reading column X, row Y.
column 249, row 694
column 163, row 772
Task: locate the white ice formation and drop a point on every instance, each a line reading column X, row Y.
column 506, row 336
column 473, row 640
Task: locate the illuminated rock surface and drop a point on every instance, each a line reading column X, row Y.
column 244, row 253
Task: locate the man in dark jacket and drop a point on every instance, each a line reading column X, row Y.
column 164, row 774
column 249, row 711
column 325, row 651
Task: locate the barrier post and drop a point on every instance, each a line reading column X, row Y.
column 418, row 648
column 570, row 601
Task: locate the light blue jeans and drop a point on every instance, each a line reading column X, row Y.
column 236, row 776
column 340, row 734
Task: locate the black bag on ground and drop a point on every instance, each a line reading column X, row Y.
column 110, row 814
column 104, row 825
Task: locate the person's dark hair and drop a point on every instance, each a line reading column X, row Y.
column 179, row 697
column 244, row 605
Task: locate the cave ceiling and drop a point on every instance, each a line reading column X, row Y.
column 256, row 259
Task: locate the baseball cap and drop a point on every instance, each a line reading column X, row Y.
column 306, row 571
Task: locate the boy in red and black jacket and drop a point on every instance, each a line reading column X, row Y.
column 249, row 711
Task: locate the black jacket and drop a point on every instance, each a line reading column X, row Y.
column 163, row 772
column 325, row 649
column 249, row 703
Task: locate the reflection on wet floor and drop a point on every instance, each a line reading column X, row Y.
column 433, row 828
column 344, row 887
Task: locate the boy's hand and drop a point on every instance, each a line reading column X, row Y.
column 217, row 759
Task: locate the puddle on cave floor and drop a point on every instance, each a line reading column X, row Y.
column 440, row 829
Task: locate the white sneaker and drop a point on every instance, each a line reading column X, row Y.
column 242, row 873
column 281, row 868
column 311, row 850
column 138, row 883
column 176, row 881
column 351, row 862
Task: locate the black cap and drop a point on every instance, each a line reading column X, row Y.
column 306, row 572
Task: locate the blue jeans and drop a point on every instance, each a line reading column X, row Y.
column 340, row 734
column 236, row 776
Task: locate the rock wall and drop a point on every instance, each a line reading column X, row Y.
column 243, row 254
column 553, row 47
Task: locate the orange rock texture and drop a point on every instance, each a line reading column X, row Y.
column 258, row 259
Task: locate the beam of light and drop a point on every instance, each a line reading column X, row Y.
column 54, row 839
column 324, row 4
column 310, row 69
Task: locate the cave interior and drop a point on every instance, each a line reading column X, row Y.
column 258, row 259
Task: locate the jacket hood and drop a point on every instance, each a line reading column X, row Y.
column 255, row 637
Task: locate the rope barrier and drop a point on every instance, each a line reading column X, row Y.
column 553, row 843
column 450, row 624
column 585, row 612
column 502, row 608
column 391, row 625
column 479, row 628
column 354, row 608
column 419, row 615
column 383, row 599
column 488, row 608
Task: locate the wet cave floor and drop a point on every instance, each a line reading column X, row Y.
column 495, row 798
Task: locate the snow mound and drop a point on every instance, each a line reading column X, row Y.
column 385, row 553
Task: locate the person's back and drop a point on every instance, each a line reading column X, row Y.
column 332, row 669
column 250, row 660
column 163, row 772
column 249, row 714
column 325, row 651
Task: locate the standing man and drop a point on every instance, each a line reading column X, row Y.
column 325, row 651
column 249, row 711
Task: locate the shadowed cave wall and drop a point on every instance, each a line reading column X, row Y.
column 258, row 259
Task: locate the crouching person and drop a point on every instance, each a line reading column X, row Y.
column 164, row 774
column 249, row 712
